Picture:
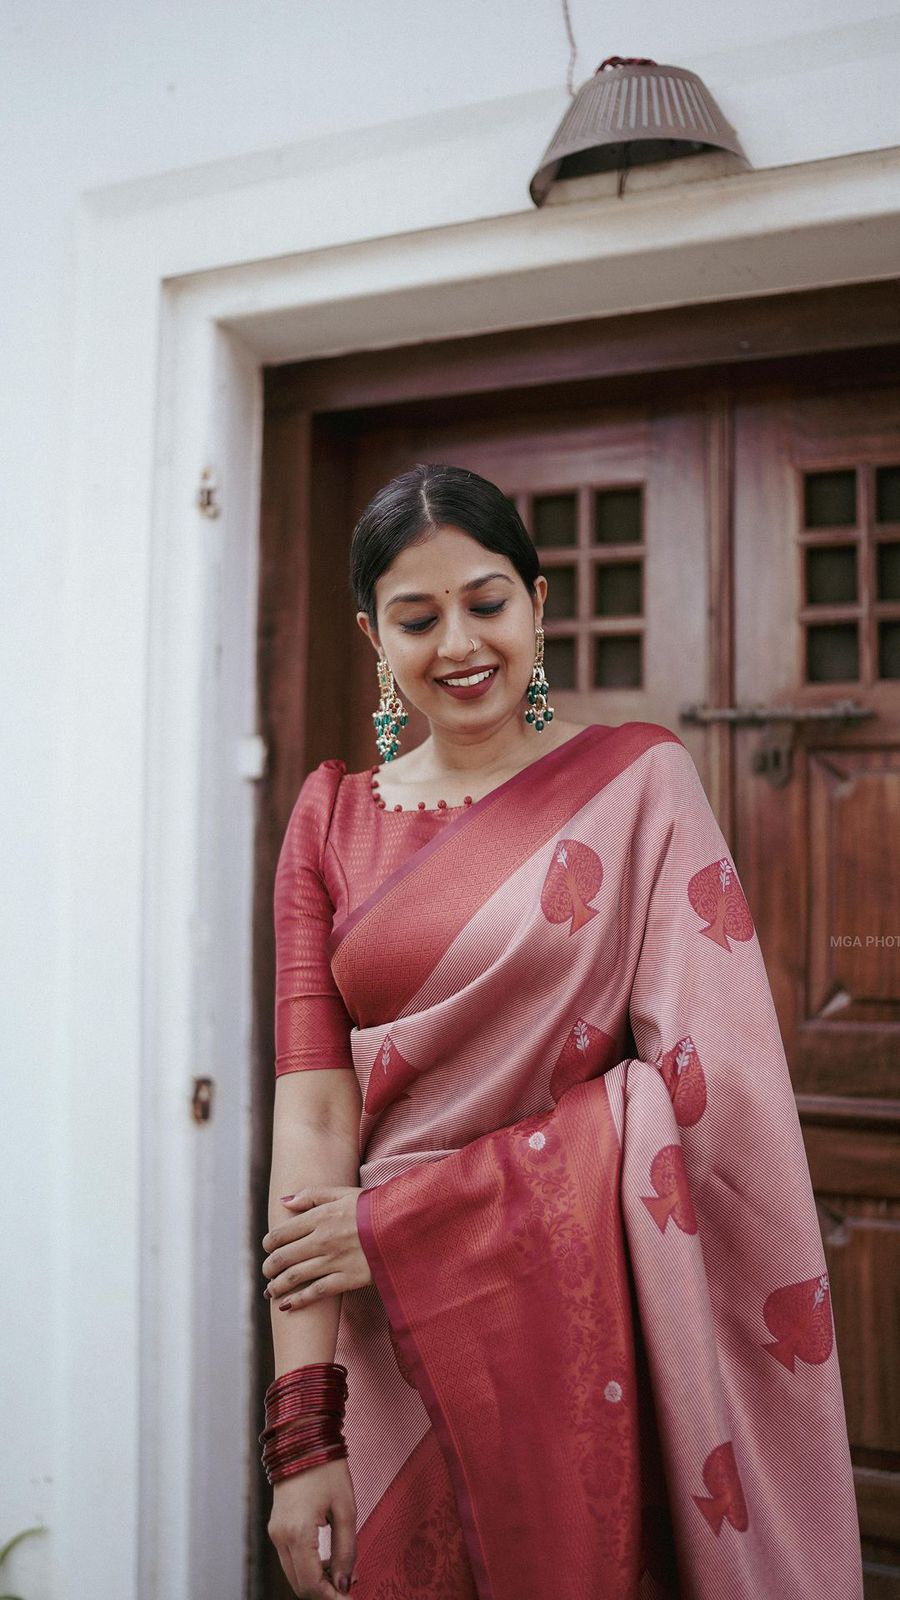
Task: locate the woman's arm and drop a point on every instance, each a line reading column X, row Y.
column 315, row 1140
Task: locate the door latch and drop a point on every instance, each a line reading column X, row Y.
column 774, row 755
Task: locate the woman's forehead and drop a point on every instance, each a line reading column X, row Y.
column 448, row 558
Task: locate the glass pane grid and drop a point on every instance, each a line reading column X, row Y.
column 838, row 578
column 590, row 538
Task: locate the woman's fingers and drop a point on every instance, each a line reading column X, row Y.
column 284, row 1556
column 293, row 1275
column 343, row 1543
column 313, row 1582
column 305, row 1572
column 332, row 1283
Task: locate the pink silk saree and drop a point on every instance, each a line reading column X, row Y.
column 597, row 1359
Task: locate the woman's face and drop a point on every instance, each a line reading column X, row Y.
column 439, row 595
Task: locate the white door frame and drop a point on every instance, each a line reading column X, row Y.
column 185, row 287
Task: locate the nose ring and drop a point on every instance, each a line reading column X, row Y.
column 473, row 644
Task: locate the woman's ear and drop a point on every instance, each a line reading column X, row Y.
column 368, row 630
column 539, row 598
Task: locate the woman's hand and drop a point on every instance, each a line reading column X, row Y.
column 302, row 1504
column 319, row 1248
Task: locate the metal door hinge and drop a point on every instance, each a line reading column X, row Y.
column 208, row 494
column 202, row 1098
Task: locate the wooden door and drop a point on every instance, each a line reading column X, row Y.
column 700, row 539
column 817, row 609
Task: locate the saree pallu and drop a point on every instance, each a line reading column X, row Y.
column 597, row 1359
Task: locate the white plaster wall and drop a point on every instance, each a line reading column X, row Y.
column 99, row 94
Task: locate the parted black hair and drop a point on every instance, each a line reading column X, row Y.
column 429, row 496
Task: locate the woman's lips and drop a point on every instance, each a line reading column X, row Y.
column 467, row 691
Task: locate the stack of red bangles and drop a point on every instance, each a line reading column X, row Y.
column 304, row 1413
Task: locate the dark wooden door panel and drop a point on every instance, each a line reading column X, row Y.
column 817, row 608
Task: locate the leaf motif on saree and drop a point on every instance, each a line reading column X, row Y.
column 573, row 878
column 685, row 1080
column 717, row 897
column 726, row 1495
column 586, row 1053
column 800, row 1317
column 390, row 1074
column 669, row 1178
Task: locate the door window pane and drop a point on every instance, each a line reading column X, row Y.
column 887, row 494
column 830, row 499
column 555, row 518
column 617, row 589
column 830, row 574
column 888, row 571
column 832, row 652
column 617, row 516
column 617, row 661
column 889, row 650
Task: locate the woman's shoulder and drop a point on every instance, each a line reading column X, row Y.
column 628, row 741
column 311, row 813
column 657, row 759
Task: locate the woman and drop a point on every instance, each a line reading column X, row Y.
column 555, row 1258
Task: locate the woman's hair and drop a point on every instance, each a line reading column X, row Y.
column 427, row 497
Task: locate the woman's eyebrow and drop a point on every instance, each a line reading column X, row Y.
column 474, row 583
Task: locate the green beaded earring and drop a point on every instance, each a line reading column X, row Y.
column 539, row 710
column 390, row 716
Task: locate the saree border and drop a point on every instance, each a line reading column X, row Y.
column 464, row 1503
column 533, row 804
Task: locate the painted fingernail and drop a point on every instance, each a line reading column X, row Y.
column 286, row 1197
column 286, row 1305
column 344, row 1584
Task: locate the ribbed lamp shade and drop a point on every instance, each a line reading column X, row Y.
column 632, row 112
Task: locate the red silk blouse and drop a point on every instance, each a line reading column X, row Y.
column 338, row 847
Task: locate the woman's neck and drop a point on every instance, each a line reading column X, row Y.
column 505, row 749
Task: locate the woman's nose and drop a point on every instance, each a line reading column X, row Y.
column 455, row 641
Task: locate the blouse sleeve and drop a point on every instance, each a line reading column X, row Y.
column 312, row 1025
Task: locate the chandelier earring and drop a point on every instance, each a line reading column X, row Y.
column 390, row 717
column 539, row 710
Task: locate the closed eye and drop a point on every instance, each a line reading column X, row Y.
column 480, row 611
